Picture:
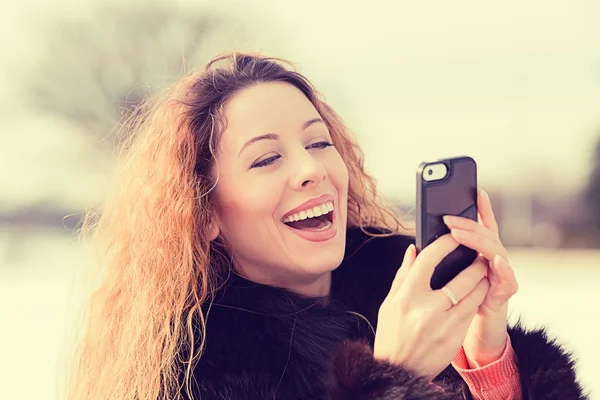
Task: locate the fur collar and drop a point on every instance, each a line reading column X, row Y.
column 274, row 333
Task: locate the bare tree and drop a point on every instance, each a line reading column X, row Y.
column 592, row 194
column 96, row 69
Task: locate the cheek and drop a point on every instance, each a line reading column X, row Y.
column 244, row 202
column 340, row 179
column 339, row 175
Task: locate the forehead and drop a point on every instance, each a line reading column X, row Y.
column 273, row 107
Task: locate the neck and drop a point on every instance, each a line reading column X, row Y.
column 319, row 287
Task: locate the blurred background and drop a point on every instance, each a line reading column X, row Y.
column 514, row 84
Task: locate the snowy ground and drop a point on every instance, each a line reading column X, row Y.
column 558, row 289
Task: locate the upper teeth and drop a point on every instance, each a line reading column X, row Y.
column 310, row 213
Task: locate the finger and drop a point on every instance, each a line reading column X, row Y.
column 467, row 224
column 486, row 213
column 422, row 270
column 409, row 258
column 464, row 282
column 489, row 248
column 507, row 280
column 468, row 307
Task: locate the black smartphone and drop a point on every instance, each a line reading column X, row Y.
column 445, row 187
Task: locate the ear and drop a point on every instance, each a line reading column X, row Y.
column 213, row 230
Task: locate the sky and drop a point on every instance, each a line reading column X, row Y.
column 514, row 84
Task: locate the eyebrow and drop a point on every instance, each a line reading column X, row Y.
column 273, row 136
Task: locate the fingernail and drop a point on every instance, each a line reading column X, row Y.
column 412, row 251
column 484, row 194
column 449, row 219
column 456, row 233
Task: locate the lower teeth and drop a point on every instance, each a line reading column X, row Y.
column 327, row 225
column 314, row 226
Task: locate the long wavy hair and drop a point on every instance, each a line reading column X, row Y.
column 153, row 266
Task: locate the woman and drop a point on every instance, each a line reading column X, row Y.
column 247, row 255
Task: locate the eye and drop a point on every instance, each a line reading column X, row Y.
column 271, row 160
column 320, row 145
column 265, row 162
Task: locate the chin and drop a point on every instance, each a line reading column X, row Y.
column 323, row 263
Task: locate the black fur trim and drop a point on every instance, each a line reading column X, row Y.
column 356, row 375
column 546, row 369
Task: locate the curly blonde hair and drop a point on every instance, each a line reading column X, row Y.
column 153, row 268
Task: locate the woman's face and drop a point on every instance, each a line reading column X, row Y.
column 274, row 156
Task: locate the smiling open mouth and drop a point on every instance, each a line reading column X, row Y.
column 315, row 219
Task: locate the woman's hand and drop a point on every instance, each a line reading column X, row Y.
column 486, row 337
column 418, row 327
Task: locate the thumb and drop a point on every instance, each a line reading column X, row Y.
column 409, row 258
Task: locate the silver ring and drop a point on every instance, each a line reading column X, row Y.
column 450, row 295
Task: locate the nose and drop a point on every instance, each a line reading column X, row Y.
column 308, row 172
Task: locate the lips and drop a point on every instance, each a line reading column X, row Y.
column 318, row 235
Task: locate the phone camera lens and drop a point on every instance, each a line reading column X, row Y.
column 430, row 172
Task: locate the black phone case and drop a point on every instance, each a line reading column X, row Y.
column 456, row 194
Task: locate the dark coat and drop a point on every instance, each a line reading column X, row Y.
column 264, row 342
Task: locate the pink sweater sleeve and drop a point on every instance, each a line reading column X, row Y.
column 496, row 381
